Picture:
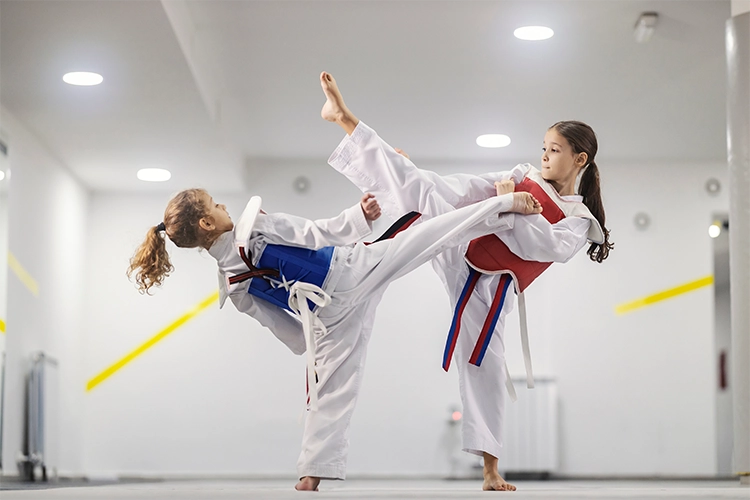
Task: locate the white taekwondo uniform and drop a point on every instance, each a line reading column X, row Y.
column 357, row 278
column 400, row 187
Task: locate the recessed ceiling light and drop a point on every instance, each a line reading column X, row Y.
column 83, row 78
column 533, row 33
column 2, row 175
column 154, row 174
column 493, row 140
column 714, row 230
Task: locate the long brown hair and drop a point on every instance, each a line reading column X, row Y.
column 150, row 262
column 582, row 139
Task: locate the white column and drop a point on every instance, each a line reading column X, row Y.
column 738, row 148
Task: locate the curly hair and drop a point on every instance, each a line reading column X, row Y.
column 150, row 262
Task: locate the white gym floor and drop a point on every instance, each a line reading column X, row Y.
column 393, row 489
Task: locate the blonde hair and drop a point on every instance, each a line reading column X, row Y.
column 150, row 262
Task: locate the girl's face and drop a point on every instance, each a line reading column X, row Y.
column 560, row 164
column 218, row 216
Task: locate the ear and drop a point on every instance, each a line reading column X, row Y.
column 581, row 160
column 207, row 223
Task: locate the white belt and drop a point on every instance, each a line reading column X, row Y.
column 526, row 352
column 299, row 293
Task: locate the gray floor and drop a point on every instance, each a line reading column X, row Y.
column 406, row 489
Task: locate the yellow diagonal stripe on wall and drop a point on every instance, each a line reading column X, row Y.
column 664, row 295
column 25, row 277
column 104, row 375
column 2, row 325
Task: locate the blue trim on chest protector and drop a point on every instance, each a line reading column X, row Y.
column 294, row 264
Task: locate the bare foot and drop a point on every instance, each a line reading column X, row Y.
column 308, row 483
column 334, row 110
column 492, row 479
column 494, row 482
column 525, row 203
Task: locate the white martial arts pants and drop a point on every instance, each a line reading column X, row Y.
column 400, row 187
column 340, row 354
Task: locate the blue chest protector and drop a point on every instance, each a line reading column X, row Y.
column 294, row 264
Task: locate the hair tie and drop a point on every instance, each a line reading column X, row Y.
column 161, row 227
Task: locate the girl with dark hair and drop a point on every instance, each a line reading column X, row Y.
column 314, row 287
column 478, row 291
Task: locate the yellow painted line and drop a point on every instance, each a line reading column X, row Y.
column 104, row 375
column 664, row 295
column 2, row 325
column 24, row 276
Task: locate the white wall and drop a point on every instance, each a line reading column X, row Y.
column 3, row 268
column 3, row 252
column 47, row 235
column 222, row 396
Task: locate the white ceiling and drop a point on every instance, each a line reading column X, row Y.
column 206, row 87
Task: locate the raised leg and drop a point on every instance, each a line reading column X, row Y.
column 375, row 167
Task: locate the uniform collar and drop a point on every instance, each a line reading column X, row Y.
column 573, row 197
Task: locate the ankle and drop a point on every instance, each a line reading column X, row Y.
column 490, row 464
column 347, row 121
column 345, row 117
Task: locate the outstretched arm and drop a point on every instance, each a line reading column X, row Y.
column 534, row 238
column 348, row 227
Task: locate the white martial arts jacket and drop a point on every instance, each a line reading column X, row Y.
column 282, row 229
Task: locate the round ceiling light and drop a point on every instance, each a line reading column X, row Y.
column 713, row 186
column 83, row 78
column 154, row 174
column 533, row 33
column 642, row 220
column 714, row 230
column 493, row 140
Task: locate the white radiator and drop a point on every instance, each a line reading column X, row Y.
column 530, row 434
column 41, row 450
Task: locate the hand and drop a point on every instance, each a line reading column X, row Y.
column 505, row 187
column 370, row 207
column 525, row 203
column 402, row 153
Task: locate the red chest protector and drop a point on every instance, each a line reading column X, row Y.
column 489, row 255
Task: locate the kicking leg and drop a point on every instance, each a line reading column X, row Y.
column 390, row 259
column 375, row 167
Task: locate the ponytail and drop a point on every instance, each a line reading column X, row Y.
column 592, row 198
column 583, row 140
column 150, row 263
